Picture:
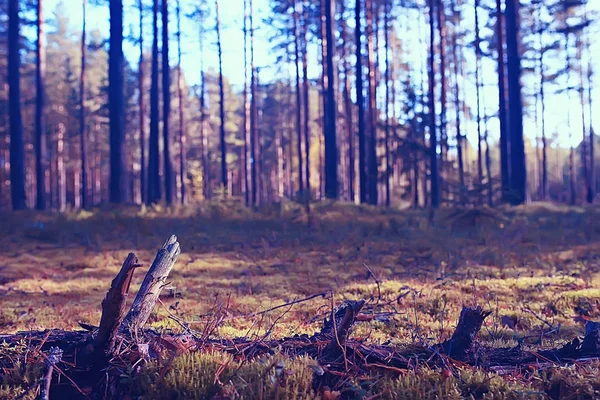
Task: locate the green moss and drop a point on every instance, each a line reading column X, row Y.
column 204, row 375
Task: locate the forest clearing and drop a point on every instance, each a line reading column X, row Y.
column 239, row 275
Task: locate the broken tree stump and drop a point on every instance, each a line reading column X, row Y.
column 469, row 325
column 113, row 307
column 152, row 285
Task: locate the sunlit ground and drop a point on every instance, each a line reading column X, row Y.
column 537, row 268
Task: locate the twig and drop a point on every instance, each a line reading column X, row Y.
column 377, row 282
column 291, row 303
column 54, row 358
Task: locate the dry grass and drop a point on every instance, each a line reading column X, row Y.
column 537, row 268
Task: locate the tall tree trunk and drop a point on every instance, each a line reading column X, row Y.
column 351, row 168
column 518, row 169
column 435, row 190
column 253, row 116
column 82, row 125
column 246, row 157
column 40, row 115
column 142, row 108
column 118, row 187
column 502, row 111
column 584, row 142
column 441, row 25
column 387, row 173
column 298, row 98
column 17, row 148
column 572, row 173
column 457, row 105
column 223, row 145
column 306, row 99
column 61, row 179
column 166, row 89
column 360, row 101
column 203, row 136
column 593, row 185
column 154, row 189
column 180, row 101
column 478, row 94
column 544, row 166
column 372, row 98
column 331, row 157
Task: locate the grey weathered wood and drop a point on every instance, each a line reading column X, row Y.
column 152, row 285
column 113, row 306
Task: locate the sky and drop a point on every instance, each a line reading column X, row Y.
column 231, row 15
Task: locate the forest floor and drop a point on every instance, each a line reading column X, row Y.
column 536, row 268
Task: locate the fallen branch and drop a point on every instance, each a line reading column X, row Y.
column 152, row 285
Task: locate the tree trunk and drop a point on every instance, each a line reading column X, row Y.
column 362, row 156
column 154, row 189
column 182, row 139
column 572, row 173
column 584, row 141
column 387, row 172
column 298, row 99
column 502, row 111
column 331, row 157
column 593, row 186
column 457, row 105
column 246, row 157
column 441, row 21
column 223, row 145
column 372, row 97
column 142, row 108
column 351, row 168
column 435, row 191
column 478, row 95
column 118, row 188
column 166, row 89
column 253, row 115
column 518, row 178
column 61, row 179
column 40, row 115
column 17, row 148
column 82, row 125
column 544, row 183
column 306, row 99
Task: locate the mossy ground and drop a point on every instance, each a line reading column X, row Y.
column 537, row 268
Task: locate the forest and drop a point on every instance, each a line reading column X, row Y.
column 361, row 199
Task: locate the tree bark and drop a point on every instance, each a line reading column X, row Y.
column 223, row 145
column 435, row 194
column 246, row 157
column 457, row 105
column 298, row 98
column 518, row 178
column 40, row 114
column 372, row 99
column 478, row 95
column 142, row 108
column 331, row 151
column 82, row 125
column 351, row 167
column 154, row 189
column 17, row 148
column 117, row 189
column 305, row 86
column 360, row 101
column 166, row 89
column 182, row 138
column 387, row 167
column 502, row 111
